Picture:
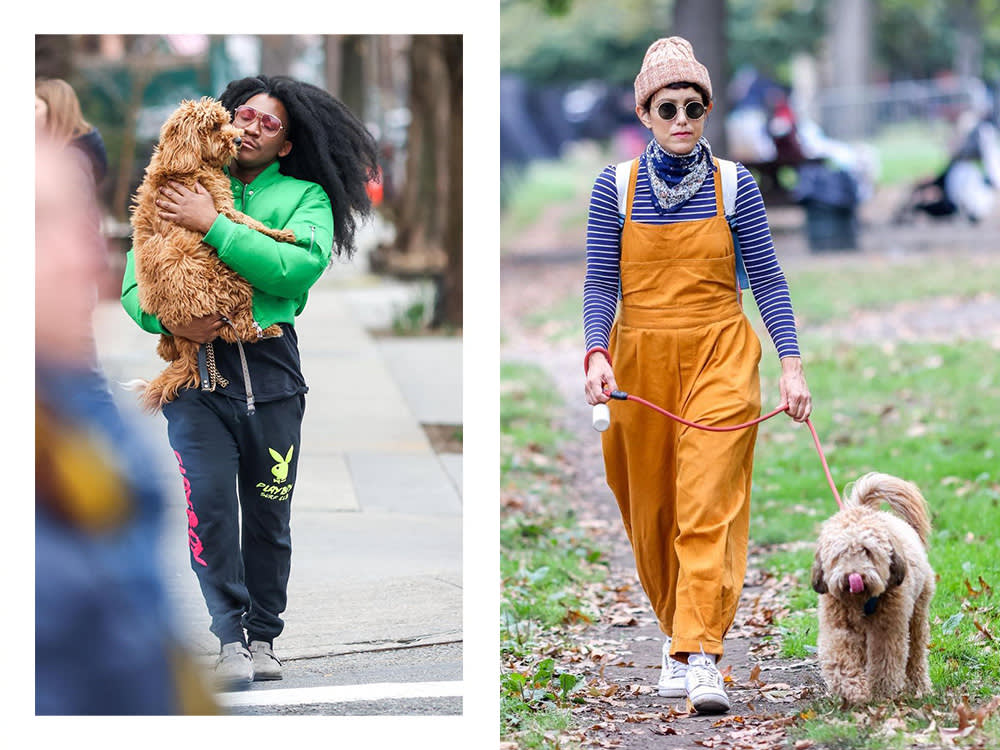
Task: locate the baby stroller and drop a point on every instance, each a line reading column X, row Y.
column 968, row 184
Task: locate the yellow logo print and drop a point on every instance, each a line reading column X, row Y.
column 280, row 469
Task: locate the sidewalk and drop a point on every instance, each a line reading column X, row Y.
column 377, row 515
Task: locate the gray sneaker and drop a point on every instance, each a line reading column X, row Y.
column 265, row 664
column 234, row 668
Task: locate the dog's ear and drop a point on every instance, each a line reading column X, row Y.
column 180, row 142
column 897, row 569
column 818, row 584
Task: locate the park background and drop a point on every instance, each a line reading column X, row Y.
column 899, row 323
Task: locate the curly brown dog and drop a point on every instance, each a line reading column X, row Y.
column 875, row 587
column 180, row 277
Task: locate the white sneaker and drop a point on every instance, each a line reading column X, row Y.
column 234, row 668
column 704, row 685
column 672, row 673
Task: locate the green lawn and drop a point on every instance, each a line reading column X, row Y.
column 927, row 413
column 545, row 557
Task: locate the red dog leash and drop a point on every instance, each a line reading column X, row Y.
column 623, row 396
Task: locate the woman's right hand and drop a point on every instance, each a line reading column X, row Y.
column 600, row 377
column 200, row 330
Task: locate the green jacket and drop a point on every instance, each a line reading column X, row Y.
column 281, row 273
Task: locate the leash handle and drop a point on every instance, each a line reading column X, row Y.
column 601, row 418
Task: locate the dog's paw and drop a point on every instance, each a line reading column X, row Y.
column 919, row 686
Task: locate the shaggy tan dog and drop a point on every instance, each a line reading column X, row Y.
column 875, row 587
column 180, row 277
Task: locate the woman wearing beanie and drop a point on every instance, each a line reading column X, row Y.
column 680, row 339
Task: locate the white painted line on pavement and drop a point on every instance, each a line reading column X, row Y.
column 341, row 693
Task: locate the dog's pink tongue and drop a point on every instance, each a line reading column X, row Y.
column 856, row 583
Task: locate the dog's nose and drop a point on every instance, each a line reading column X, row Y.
column 237, row 140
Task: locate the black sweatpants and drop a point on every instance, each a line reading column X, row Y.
column 230, row 462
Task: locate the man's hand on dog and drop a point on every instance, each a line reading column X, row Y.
column 191, row 209
column 200, row 330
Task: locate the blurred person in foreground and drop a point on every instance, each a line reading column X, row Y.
column 103, row 644
column 59, row 122
column 680, row 339
column 303, row 164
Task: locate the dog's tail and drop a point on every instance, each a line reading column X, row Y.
column 150, row 393
column 136, row 384
column 902, row 497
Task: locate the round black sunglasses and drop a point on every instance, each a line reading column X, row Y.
column 692, row 110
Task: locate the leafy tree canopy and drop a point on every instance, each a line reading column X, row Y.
column 556, row 41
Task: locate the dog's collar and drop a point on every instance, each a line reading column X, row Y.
column 871, row 605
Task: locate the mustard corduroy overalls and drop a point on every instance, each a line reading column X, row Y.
column 682, row 341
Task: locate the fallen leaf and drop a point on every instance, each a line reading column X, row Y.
column 663, row 730
column 624, row 621
column 982, row 629
column 951, row 734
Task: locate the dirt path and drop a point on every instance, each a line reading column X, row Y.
column 621, row 663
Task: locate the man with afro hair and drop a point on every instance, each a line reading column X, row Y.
column 303, row 164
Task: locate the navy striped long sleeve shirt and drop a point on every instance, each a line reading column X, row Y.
column 601, row 285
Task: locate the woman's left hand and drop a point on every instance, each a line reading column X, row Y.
column 794, row 390
column 192, row 209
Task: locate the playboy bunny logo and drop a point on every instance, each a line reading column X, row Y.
column 280, row 469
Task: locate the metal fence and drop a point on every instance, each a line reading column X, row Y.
column 862, row 112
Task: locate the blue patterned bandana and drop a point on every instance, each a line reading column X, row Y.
column 674, row 178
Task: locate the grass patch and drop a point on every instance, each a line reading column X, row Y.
column 562, row 321
column 546, row 560
column 911, row 151
column 554, row 189
column 834, row 289
column 926, row 413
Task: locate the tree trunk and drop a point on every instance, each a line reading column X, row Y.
column 849, row 24
column 968, row 38
column 142, row 74
column 277, row 52
column 351, row 83
column 332, row 63
column 409, row 229
column 418, row 246
column 450, row 298
column 703, row 23
column 54, row 56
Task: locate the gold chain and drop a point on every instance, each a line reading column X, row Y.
column 214, row 376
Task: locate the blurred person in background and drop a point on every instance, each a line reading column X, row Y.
column 681, row 340
column 304, row 164
column 59, row 116
column 59, row 121
column 103, row 644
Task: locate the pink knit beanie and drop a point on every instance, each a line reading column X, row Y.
column 669, row 60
